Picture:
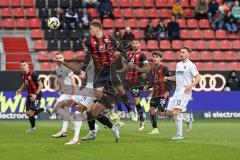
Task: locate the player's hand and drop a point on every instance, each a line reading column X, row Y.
column 18, row 92
column 166, row 95
column 166, row 78
column 82, row 75
column 188, row 89
column 33, row 97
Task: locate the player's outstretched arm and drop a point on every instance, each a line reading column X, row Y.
column 173, row 78
column 19, row 91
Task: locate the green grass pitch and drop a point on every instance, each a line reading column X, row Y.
column 209, row 140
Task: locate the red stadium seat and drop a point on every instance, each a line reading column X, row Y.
column 172, row 66
column 221, row 34
column 79, row 54
column 117, row 12
column 165, row 22
column 152, row 45
column 93, row 12
column 143, row 23
column 200, row 66
column 37, row 34
column 47, row 66
column 188, row 13
column 120, row 23
column 40, row 45
column 238, row 55
column 6, row 12
column 171, row 3
column 203, row 23
column 236, row 44
column 16, row 3
column 124, row 3
column 137, row 3
column 152, row 13
column 42, row 56
column 68, row 55
column 128, row 13
column 184, row 3
column 28, row 3
column 143, row 45
column 9, row 23
column 148, row 3
column 4, row 3
column 169, row 55
column 206, row 56
column 165, row 13
column 178, row 56
column 192, row 23
column 189, row 43
column 176, row 44
column 53, row 53
column 230, row 55
column 196, row 34
column 182, row 23
column 115, row 3
column 233, row 36
column 108, row 31
column 210, row 66
column 155, row 22
column 208, row 34
column 165, row 44
column 34, row 23
column 108, row 23
column 194, row 3
column 1, row 23
column 31, row 12
column 18, row 12
column 22, row 23
column 234, row 66
column 195, row 55
column 223, row 66
column 161, row 3
column 140, row 13
column 138, row 33
column 201, row 45
column 132, row 23
column 213, row 45
column 218, row 55
column 225, row 45
column 185, row 34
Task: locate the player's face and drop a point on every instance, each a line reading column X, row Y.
column 157, row 59
column 94, row 30
column 59, row 57
column 184, row 54
column 24, row 66
column 135, row 45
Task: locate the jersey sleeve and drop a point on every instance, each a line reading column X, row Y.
column 168, row 85
column 194, row 70
column 35, row 77
column 87, row 46
column 143, row 59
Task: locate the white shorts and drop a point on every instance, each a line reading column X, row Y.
column 179, row 100
column 64, row 97
column 84, row 100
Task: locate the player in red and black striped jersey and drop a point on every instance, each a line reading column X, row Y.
column 33, row 85
column 161, row 89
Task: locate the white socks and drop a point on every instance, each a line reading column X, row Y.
column 178, row 120
column 186, row 117
column 77, row 126
column 64, row 126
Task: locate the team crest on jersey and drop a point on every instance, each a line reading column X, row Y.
column 29, row 77
column 106, row 40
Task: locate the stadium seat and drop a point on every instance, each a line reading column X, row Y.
column 165, row 44
column 176, row 44
column 52, row 3
column 9, row 23
column 65, row 45
column 22, row 23
column 132, row 23
column 40, row 45
column 182, row 23
column 143, row 45
column 6, row 12
column 184, row 3
column 77, row 45
column 148, row 3
column 208, row 34
column 152, row 45
column 172, row 66
column 223, row 66
column 52, row 45
column 18, row 13
column 53, row 53
column 238, row 55
column 200, row 66
column 193, row 3
column 128, row 13
column 1, row 23
column 165, row 13
column 155, row 22
column 46, row 66
column 189, row 43
column 138, row 33
column 117, row 12
column 124, row 3
column 233, row 36
column 68, row 55
column 166, row 21
column 74, row 34
column 115, row 3
column 140, row 13
column 42, row 56
column 185, row 34
column 221, row 34
column 225, row 45
column 188, row 13
column 195, row 56
column 152, row 13
column 192, row 23
column 160, row 3
column 31, row 12
column 201, row 45
column 64, row 3
column 218, row 55
column 79, row 55
column 230, row 55
column 43, row 13
column 169, row 55
column 203, row 23
column 206, row 56
column 40, row 3
column 4, row 3
column 49, row 34
column 234, row 66
column 28, row 3
column 37, row 34
column 137, row 3
column 108, row 23
column 34, row 23
column 196, row 34
column 213, row 45
column 170, row 3
column 236, row 44
column 16, row 3
column 120, row 23
column 210, row 66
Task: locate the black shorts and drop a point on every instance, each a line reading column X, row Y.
column 134, row 88
column 158, row 103
column 33, row 105
column 106, row 78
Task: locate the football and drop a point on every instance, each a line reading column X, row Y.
column 53, row 23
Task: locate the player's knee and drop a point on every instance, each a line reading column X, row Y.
column 81, row 108
column 176, row 112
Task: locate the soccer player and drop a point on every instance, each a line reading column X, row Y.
column 186, row 78
column 161, row 89
column 137, row 66
column 33, row 85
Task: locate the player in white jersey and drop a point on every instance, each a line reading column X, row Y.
column 67, row 88
column 186, row 78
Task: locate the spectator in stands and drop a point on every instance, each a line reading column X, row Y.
column 212, row 9
column 85, row 18
column 173, row 29
column 127, row 39
column 201, row 10
column 230, row 22
column 117, row 34
column 58, row 12
column 218, row 20
column 177, row 10
column 105, row 9
column 71, row 19
column 149, row 31
column 233, row 81
column 161, row 31
column 236, row 11
column 89, row 3
column 229, row 2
